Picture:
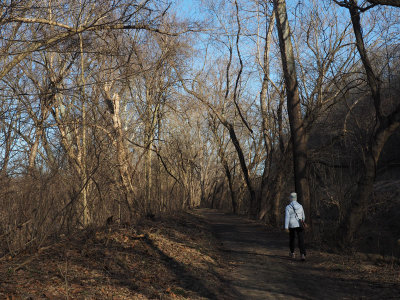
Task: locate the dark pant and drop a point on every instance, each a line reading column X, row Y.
column 300, row 236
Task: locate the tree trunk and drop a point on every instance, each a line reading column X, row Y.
column 275, row 214
column 225, row 164
column 262, row 197
column 75, row 157
column 385, row 127
column 35, row 148
column 9, row 139
column 148, row 175
column 122, row 153
column 299, row 138
column 245, row 170
column 365, row 188
column 230, row 182
column 83, row 144
column 148, row 141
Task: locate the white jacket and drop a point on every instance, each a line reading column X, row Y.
column 291, row 220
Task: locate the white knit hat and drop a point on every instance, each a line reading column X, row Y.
column 293, row 197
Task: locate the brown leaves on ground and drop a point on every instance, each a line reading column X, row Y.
column 377, row 271
column 174, row 258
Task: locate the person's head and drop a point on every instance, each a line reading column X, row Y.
column 293, row 197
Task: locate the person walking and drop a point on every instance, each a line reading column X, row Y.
column 294, row 212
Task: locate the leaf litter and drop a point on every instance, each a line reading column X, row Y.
column 173, row 257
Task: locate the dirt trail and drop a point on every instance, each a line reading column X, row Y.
column 261, row 268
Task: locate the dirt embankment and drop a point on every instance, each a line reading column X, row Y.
column 170, row 258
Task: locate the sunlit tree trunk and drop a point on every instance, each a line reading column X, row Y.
column 86, row 220
column 148, row 142
column 124, row 165
column 35, row 147
column 151, row 121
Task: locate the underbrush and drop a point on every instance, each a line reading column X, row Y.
column 377, row 239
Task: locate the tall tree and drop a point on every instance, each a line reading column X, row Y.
column 385, row 125
column 298, row 134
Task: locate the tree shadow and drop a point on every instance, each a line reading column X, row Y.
column 183, row 274
column 121, row 274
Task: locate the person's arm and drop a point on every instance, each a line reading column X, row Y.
column 287, row 215
column 303, row 215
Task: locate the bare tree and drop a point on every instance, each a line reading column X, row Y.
column 385, row 125
column 297, row 129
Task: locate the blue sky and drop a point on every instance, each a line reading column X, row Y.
column 188, row 8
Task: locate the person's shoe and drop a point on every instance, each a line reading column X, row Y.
column 292, row 255
column 303, row 257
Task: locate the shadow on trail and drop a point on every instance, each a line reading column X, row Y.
column 114, row 267
column 261, row 268
column 255, row 254
column 183, row 274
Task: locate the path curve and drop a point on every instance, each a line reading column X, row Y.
column 261, row 268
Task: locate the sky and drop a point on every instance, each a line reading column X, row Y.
column 187, row 8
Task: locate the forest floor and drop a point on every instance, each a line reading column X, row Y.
column 204, row 254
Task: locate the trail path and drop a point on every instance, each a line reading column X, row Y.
column 261, row 268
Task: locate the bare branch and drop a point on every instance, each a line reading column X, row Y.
column 394, row 3
column 240, row 70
